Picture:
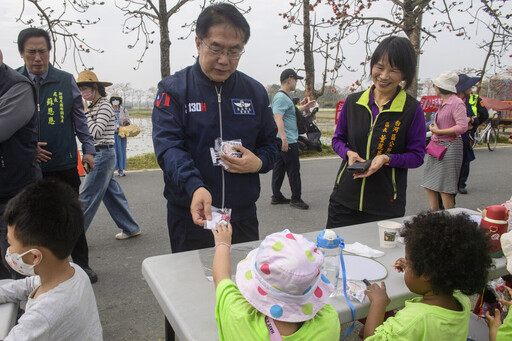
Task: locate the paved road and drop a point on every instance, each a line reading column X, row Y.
column 126, row 305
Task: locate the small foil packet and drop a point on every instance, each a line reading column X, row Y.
column 226, row 148
column 219, row 216
column 355, row 290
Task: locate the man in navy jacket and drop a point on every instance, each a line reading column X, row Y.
column 198, row 104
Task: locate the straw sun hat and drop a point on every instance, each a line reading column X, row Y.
column 87, row 76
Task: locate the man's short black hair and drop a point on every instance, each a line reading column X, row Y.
column 27, row 33
column 400, row 54
column 222, row 13
column 46, row 213
column 450, row 250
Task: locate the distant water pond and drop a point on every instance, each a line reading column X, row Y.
column 143, row 143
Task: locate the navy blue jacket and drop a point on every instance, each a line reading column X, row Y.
column 190, row 112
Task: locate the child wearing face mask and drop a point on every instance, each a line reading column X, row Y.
column 446, row 258
column 44, row 222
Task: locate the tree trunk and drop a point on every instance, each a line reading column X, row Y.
column 309, row 62
column 165, row 42
column 482, row 73
column 412, row 28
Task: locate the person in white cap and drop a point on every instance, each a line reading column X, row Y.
column 121, row 118
column 450, row 122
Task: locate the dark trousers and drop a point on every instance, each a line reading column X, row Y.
column 468, row 155
column 464, row 173
column 287, row 162
column 80, row 253
column 187, row 236
column 339, row 215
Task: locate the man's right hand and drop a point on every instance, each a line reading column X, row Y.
column 89, row 160
column 42, row 154
column 284, row 145
column 201, row 206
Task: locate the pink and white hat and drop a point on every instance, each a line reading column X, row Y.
column 282, row 279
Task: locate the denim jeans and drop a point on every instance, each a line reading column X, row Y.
column 120, row 147
column 99, row 185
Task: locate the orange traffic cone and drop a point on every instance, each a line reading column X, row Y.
column 80, row 167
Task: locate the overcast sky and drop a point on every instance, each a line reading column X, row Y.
column 266, row 47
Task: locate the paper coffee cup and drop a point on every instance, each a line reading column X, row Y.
column 389, row 231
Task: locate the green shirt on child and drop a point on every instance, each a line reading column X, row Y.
column 420, row 321
column 505, row 330
column 239, row 320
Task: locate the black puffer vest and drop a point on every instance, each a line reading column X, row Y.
column 382, row 193
column 18, row 154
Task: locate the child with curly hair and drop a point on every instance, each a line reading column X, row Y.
column 446, row 258
column 279, row 292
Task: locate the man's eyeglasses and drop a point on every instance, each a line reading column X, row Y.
column 216, row 52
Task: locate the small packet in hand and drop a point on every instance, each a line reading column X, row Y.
column 226, row 148
column 355, row 290
column 219, row 216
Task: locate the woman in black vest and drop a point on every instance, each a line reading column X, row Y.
column 386, row 126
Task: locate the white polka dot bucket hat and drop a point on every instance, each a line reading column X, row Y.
column 282, row 279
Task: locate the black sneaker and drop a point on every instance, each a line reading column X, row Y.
column 463, row 190
column 92, row 275
column 279, row 201
column 301, row 205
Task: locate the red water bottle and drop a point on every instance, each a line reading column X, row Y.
column 495, row 224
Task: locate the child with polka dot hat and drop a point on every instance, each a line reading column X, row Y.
column 280, row 293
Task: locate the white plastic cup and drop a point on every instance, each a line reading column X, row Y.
column 389, row 231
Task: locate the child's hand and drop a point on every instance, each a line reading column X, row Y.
column 400, row 264
column 505, row 302
column 222, row 234
column 377, row 294
column 494, row 322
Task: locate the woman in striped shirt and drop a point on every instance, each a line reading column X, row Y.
column 100, row 184
column 442, row 176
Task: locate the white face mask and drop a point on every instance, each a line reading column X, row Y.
column 115, row 102
column 15, row 261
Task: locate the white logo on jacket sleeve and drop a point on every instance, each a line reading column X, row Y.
column 242, row 106
column 195, row 107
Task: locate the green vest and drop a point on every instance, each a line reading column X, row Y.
column 473, row 101
column 56, row 121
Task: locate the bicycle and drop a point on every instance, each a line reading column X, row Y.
column 488, row 135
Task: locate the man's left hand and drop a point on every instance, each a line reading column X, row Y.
column 88, row 159
column 377, row 164
column 248, row 163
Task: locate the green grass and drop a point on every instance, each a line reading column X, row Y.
column 146, row 161
column 141, row 113
column 326, row 151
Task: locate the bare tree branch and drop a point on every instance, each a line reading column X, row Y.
column 54, row 19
